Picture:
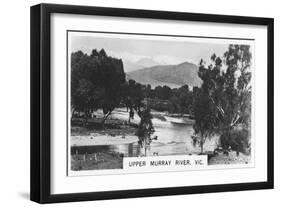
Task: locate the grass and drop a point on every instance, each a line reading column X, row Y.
column 112, row 127
column 96, row 161
column 231, row 158
column 84, row 131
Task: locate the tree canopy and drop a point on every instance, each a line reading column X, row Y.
column 221, row 105
column 96, row 80
column 227, row 87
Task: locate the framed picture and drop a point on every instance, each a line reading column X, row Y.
column 132, row 103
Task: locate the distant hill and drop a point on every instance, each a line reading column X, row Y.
column 142, row 63
column 171, row 75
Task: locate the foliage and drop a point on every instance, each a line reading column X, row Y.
column 133, row 95
column 205, row 120
column 164, row 92
column 237, row 139
column 163, row 98
column 226, row 83
column 145, row 129
column 96, row 82
column 221, row 105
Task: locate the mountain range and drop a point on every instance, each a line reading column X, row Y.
column 141, row 63
column 173, row 76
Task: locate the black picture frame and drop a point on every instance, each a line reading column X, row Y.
column 41, row 96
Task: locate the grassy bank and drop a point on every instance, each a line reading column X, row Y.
column 112, row 127
column 114, row 131
column 231, row 158
column 97, row 161
column 87, row 131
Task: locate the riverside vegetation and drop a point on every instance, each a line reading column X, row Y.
column 221, row 106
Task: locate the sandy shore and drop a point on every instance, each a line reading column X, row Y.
column 117, row 134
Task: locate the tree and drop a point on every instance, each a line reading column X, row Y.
column 185, row 97
column 86, row 97
column 145, row 129
column 226, row 82
column 96, row 82
column 203, row 112
column 133, row 96
column 112, row 77
column 147, row 90
column 86, row 93
column 175, row 104
column 163, row 93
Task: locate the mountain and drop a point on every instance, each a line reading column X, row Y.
column 147, row 62
column 141, row 63
column 171, row 75
column 131, row 66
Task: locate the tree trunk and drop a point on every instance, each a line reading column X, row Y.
column 72, row 114
column 201, row 145
column 129, row 116
column 145, row 150
column 105, row 117
column 139, row 113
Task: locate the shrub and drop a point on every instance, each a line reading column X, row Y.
column 237, row 139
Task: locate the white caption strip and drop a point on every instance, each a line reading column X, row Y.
column 158, row 163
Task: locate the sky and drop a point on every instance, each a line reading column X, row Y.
column 133, row 49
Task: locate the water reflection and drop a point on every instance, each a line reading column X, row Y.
column 173, row 139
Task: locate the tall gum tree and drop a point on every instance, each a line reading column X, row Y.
column 227, row 85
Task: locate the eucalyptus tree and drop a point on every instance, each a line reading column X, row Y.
column 96, row 82
column 145, row 129
column 227, row 86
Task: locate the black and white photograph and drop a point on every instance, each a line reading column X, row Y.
column 150, row 98
column 130, row 103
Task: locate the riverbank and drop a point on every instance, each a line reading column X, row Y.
column 98, row 139
column 113, row 160
column 113, row 132
column 82, row 136
column 97, row 161
column 231, row 158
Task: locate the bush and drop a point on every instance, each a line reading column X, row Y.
column 237, row 139
column 160, row 105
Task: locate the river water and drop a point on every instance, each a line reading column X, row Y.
column 173, row 138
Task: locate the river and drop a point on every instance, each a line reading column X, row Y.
column 173, row 138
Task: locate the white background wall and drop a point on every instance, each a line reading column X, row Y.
column 14, row 101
